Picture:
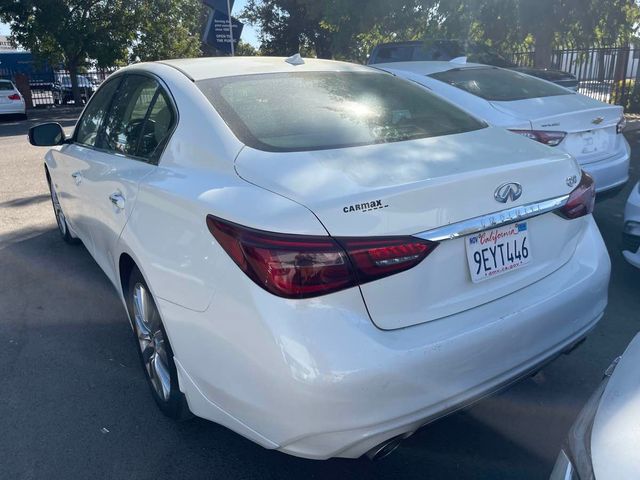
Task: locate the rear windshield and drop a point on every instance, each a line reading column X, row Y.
column 6, row 85
column 499, row 85
column 323, row 110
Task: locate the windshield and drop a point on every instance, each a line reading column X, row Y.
column 5, row 85
column 495, row 84
column 323, row 110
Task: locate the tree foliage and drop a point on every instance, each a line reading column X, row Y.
column 350, row 28
column 79, row 33
column 169, row 29
column 72, row 31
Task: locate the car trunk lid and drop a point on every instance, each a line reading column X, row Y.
column 406, row 188
column 590, row 125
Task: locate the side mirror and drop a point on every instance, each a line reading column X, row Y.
column 47, row 135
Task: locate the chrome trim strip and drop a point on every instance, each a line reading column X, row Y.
column 492, row 220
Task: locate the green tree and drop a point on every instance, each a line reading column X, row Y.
column 244, row 49
column 73, row 32
column 541, row 24
column 350, row 28
column 169, row 29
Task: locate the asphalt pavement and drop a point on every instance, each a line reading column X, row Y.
column 74, row 402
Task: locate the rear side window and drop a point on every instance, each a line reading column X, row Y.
column 91, row 121
column 323, row 110
column 157, row 127
column 495, row 84
column 139, row 121
column 125, row 122
column 4, row 86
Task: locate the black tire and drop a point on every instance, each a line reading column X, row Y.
column 61, row 220
column 171, row 400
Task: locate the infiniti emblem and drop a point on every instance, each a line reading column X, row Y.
column 508, row 191
column 597, row 120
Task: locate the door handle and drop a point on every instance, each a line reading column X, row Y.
column 77, row 177
column 117, row 199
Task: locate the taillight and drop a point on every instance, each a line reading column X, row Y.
column 581, row 200
column 621, row 124
column 303, row 266
column 552, row 139
column 14, row 96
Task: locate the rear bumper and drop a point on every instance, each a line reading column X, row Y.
column 321, row 382
column 12, row 108
column 612, row 172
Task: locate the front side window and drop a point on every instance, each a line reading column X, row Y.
column 495, row 84
column 91, row 121
column 323, row 110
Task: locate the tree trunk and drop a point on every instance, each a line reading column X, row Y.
column 543, row 52
column 75, row 90
column 543, row 36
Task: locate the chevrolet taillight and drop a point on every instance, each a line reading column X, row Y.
column 552, row 139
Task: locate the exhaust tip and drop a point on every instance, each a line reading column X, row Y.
column 385, row 449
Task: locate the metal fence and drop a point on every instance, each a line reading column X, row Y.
column 607, row 74
column 53, row 87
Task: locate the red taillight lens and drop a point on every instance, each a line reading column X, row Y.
column 379, row 257
column 14, row 96
column 552, row 139
column 301, row 266
column 581, row 200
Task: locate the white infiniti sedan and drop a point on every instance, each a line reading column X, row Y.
column 589, row 130
column 320, row 256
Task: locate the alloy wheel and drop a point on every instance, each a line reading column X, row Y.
column 151, row 341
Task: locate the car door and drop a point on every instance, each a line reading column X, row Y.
column 130, row 142
column 72, row 161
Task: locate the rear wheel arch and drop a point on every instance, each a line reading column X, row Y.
column 126, row 264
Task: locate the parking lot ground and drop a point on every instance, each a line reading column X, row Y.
column 74, row 403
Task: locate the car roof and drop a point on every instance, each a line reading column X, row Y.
column 216, row 67
column 428, row 67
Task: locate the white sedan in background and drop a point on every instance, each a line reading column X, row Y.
column 588, row 130
column 11, row 101
column 604, row 442
column 318, row 255
column 631, row 232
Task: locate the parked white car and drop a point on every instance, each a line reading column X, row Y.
column 631, row 233
column 604, row 441
column 587, row 129
column 318, row 255
column 11, row 100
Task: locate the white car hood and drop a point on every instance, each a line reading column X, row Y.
column 615, row 438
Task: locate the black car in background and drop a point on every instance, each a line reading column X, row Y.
column 445, row 50
column 63, row 93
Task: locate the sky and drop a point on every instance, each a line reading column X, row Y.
column 249, row 34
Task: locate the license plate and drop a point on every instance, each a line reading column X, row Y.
column 594, row 141
column 494, row 252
